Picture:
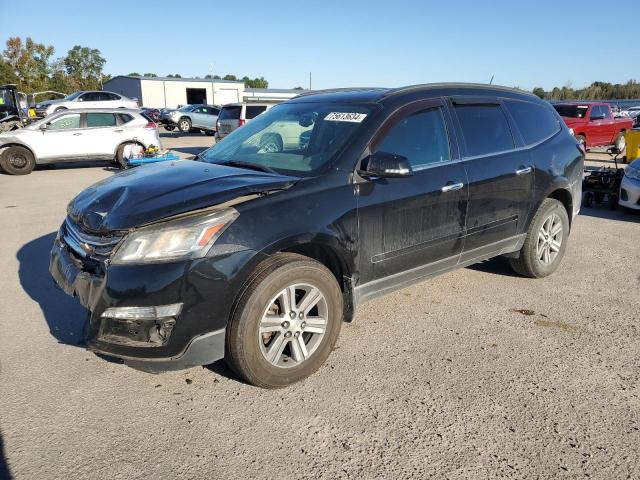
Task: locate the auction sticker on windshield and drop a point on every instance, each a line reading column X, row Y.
column 345, row 117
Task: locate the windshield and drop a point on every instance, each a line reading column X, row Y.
column 291, row 138
column 6, row 100
column 73, row 96
column 572, row 111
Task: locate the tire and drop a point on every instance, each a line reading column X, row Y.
column 270, row 142
column 533, row 261
column 247, row 350
column 59, row 109
column 169, row 128
column 587, row 199
column 120, row 160
column 16, row 160
column 209, row 133
column 620, row 142
column 184, row 124
column 613, row 201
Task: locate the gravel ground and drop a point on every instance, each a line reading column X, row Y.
column 475, row 374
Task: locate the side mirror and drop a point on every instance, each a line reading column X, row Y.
column 600, row 116
column 383, row 164
column 43, row 127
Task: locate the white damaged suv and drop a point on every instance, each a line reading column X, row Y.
column 76, row 135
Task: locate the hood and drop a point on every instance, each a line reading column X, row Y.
column 154, row 192
column 46, row 103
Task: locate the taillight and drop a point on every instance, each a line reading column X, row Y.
column 151, row 125
column 241, row 122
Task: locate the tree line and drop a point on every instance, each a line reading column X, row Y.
column 595, row 91
column 33, row 67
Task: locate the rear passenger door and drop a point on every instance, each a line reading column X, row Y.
column 418, row 221
column 500, row 176
column 102, row 134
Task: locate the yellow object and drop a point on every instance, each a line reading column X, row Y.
column 32, row 113
column 632, row 138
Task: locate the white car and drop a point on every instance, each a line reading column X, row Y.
column 630, row 187
column 87, row 99
column 76, row 135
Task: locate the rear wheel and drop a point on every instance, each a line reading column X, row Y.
column 184, row 125
column 286, row 322
column 16, row 160
column 121, row 161
column 620, row 142
column 169, row 128
column 545, row 243
column 209, row 133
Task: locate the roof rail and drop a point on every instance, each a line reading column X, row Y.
column 410, row 88
column 338, row 90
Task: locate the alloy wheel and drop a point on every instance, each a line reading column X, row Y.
column 549, row 239
column 293, row 325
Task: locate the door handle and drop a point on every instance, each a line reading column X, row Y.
column 76, row 134
column 524, row 171
column 451, row 187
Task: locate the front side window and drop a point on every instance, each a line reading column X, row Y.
column 485, row 129
column 535, row 122
column 90, row 97
column 65, row 122
column 421, row 138
column 253, row 111
column 291, row 138
column 101, row 120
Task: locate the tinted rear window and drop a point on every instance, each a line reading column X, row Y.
column 535, row 122
column 230, row 113
column 571, row 111
column 485, row 129
column 253, row 111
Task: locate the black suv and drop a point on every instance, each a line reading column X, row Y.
column 260, row 249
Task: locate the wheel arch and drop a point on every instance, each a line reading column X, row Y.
column 18, row 144
column 563, row 195
column 126, row 142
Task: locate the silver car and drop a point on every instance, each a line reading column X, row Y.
column 192, row 117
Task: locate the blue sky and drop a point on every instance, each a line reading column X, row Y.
column 346, row 43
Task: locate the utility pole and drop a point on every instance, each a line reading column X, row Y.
column 309, row 80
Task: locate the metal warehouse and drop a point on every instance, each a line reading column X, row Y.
column 164, row 92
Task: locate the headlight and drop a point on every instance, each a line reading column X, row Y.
column 185, row 238
column 632, row 173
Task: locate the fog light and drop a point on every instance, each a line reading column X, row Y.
column 143, row 313
column 139, row 326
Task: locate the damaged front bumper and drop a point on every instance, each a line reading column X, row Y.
column 155, row 318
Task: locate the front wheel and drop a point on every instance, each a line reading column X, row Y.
column 209, row 133
column 286, row 322
column 184, row 125
column 545, row 243
column 16, row 160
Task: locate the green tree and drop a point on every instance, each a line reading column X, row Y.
column 134, row 74
column 298, row 88
column 539, row 92
column 229, row 77
column 7, row 75
column 174, row 75
column 217, row 77
column 84, row 67
column 150, row 75
column 29, row 62
column 256, row 82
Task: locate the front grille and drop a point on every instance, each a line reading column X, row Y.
column 88, row 245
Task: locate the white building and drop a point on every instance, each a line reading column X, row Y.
column 163, row 92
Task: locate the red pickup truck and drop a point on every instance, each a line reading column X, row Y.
column 593, row 124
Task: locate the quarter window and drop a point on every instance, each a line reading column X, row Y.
column 254, row 111
column 485, row 129
column 421, row 138
column 66, row 122
column 101, row 120
column 535, row 122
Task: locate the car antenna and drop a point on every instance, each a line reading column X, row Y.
column 491, row 81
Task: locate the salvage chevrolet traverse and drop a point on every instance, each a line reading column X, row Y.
column 261, row 249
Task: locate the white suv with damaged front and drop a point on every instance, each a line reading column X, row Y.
column 76, row 135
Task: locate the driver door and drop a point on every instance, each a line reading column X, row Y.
column 413, row 226
column 63, row 138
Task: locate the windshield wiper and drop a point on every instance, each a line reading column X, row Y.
column 247, row 165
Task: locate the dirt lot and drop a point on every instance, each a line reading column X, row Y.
column 475, row 374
